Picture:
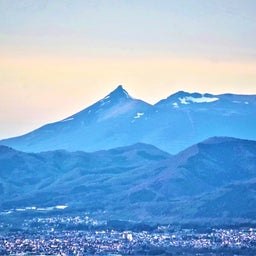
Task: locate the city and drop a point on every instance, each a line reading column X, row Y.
column 83, row 235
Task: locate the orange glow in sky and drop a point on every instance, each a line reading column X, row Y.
column 58, row 57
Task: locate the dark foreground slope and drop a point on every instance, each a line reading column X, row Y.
column 62, row 177
column 173, row 124
column 211, row 181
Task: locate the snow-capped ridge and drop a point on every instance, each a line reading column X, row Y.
column 171, row 124
column 185, row 98
column 202, row 99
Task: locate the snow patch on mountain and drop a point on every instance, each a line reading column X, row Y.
column 104, row 102
column 204, row 99
column 175, row 105
column 139, row 115
column 68, row 119
column 184, row 101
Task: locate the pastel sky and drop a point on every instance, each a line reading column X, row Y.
column 58, row 57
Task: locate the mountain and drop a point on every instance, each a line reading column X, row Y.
column 50, row 174
column 188, row 118
column 213, row 180
column 172, row 124
column 105, row 124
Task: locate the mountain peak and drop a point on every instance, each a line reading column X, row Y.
column 119, row 87
column 119, row 92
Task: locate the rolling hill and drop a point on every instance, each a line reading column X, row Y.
column 212, row 181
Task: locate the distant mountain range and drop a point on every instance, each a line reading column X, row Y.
column 213, row 181
column 128, row 175
column 172, row 124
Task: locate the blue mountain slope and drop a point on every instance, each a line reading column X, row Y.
column 172, row 124
column 26, row 174
column 106, row 124
column 186, row 119
column 210, row 180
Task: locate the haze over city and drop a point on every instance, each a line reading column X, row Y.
column 58, row 57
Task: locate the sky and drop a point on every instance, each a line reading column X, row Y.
column 58, row 57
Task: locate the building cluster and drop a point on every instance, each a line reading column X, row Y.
column 109, row 242
column 83, row 235
column 60, row 221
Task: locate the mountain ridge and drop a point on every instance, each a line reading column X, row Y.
column 172, row 124
column 138, row 182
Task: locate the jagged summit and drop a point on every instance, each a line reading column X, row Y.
column 119, row 87
column 118, row 93
column 118, row 98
